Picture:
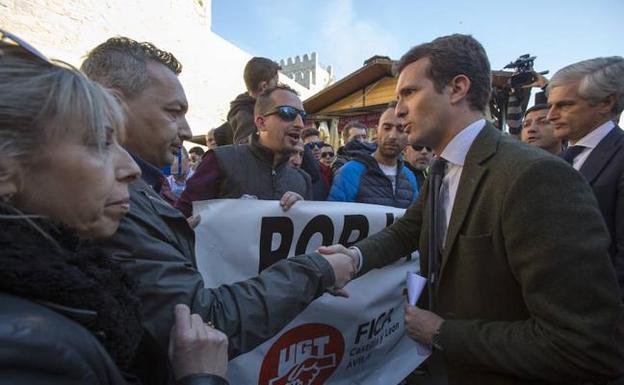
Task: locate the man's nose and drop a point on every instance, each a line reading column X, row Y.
column 532, row 128
column 552, row 114
column 400, row 110
column 184, row 130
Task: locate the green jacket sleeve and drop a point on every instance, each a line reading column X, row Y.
column 155, row 246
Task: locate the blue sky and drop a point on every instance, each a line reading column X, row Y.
column 346, row 32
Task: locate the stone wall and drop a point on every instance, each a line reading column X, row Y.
column 212, row 72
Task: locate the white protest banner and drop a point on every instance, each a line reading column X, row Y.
column 357, row 340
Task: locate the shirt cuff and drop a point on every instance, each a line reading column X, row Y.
column 358, row 255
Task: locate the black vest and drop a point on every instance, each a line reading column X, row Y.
column 247, row 169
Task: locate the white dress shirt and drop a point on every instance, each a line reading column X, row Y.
column 590, row 141
column 455, row 154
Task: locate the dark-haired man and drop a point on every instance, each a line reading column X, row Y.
column 537, row 129
column 154, row 242
column 380, row 178
column 354, row 135
column 260, row 168
column 260, row 73
column 514, row 297
column 417, row 159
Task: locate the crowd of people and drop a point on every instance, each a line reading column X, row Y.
column 522, row 243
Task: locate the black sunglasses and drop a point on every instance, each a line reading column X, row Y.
column 419, row 147
column 327, row 154
column 14, row 41
column 315, row 145
column 287, row 113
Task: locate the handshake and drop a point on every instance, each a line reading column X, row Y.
column 198, row 349
column 345, row 263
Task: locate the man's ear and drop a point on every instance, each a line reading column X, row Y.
column 263, row 86
column 260, row 123
column 459, row 88
column 607, row 104
column 118, row 92
column 10, row 178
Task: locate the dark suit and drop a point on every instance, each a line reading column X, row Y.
column 604, row 170
column 524, row 300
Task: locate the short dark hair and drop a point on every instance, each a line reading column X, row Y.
column 325, row 144
column 350, row 125
column 197, row 151
column 258, row 70
column 310, row 132
column 121, row 62
column 454, row 55
column 264, row 101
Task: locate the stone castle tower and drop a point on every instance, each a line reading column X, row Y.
column 308, row 72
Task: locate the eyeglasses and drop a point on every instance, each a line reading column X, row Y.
column 327, row 154
column 12, row 40
column 287, row 113
column 315, row 145
column 419, row 147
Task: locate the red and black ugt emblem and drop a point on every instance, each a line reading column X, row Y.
column 305, row 355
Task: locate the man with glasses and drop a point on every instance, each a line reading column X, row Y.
column 311, row 135
column 260, row 168
column 155, row 244
column 327, row 154
column 326, row 158
column 417, row 159
column 380, row 178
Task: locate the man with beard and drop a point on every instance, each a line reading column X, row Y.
column 260, row 168
column 155, row 244
column 417, row 159
column 380, row 178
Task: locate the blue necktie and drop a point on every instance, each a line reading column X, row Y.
column 572, row 152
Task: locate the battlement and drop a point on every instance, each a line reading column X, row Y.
column 306, row 70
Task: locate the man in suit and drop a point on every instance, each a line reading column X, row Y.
column 585, row 98
column 516, row 298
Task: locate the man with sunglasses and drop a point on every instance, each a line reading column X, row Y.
column 417, row 159
column 380, row 178
column 311, row 163
column 155, row 244
column 260, row 168
column 327, row 154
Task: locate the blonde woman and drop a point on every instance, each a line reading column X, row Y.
column 68, row 312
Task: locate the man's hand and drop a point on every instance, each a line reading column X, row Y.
column 288, row 199
column 195, row 347
column 193, row 221
column 421, row 324
column 344, row 263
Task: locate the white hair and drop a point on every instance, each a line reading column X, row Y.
column 599, row 78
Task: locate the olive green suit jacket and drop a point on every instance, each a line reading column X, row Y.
column 526, row 285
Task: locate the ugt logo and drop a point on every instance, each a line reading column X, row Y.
column 305, row 355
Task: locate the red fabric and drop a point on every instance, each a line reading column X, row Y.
column 202, row 185
column 326, row 174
